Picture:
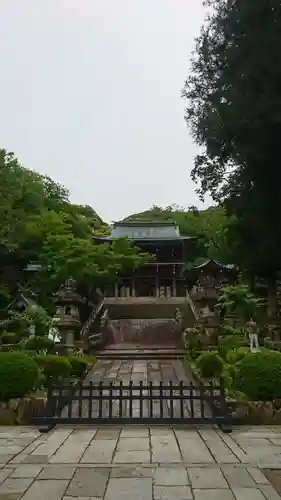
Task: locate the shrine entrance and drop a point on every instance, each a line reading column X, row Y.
column 131, row 391
column 131, row 403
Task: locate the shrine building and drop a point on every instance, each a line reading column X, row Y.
column 165, row 274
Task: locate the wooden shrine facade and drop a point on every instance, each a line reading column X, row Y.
column 165, row 275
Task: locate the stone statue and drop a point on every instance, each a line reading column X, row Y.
column 252, row 330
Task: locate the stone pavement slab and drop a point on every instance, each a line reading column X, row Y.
column 247, row 494
column 238, row 477
column 134, row 432
column 100, row 451
column 172, row 493
column 168, row 476
column 13, row 485
column 46, row 490
column 74, row 447
column 129, row 457
column 213, row 495
column 139, row 462
column 88, row 482
column 57, row 472
column 27, row 471
column 81, row 498
column 129, row 489
column 203, row 478
column 132, row 471
column 131, row 444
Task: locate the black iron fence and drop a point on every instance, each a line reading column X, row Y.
column 136, row 403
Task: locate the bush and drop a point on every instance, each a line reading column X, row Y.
column 237, row 354
column 19, row 374
column 259, row 374
column 210, row 365
column 192, row 342
column 10, row 338
column 79, row 366
column 39, row 344
column 55, row 367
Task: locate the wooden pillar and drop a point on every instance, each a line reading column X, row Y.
column 133, row 287
column 174, row 282
column 157, row 282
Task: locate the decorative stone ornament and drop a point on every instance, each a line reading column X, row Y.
column 67, row 317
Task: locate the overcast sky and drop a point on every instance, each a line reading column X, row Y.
column 91, row 95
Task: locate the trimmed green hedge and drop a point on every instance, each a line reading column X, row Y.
column 236, row 355
column 19, row 374
column 210, row 365
column 79, row 366
column 55, row 367
column 39, row 344
column 10, row 338
column 258, row 375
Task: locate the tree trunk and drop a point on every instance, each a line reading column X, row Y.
column 271, row 299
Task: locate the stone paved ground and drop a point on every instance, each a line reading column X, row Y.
column 134, row 371
column 138, row 463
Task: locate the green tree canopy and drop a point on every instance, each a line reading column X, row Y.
column 39, row 223
column 234, row 113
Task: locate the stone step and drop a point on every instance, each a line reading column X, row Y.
column 165, row 353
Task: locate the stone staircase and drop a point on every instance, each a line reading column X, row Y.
column 146, row 326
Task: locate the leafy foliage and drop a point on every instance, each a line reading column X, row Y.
column 18, row 375
column 192, row 342
column 258, row 375
column 237, row 354
column 18, row 323
column 79, row 365
column 54, row 367
column 238, row 300
column 38, row 223
column 210, row 365
column 10, row 338
column 38, row 344
column 234, row 113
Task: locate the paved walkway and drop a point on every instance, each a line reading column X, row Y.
column 134, row 371
column 141, row 463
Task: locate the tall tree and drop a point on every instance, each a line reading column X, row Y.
column 38, row 222
column 234, row 113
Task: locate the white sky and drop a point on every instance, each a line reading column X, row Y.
column 91, row 95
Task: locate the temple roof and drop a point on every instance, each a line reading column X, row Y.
column 215, row 263
column 139, row 230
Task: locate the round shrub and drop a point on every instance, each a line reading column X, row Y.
column 19, row 374
column 210, row 365
column 79, row 366
column 258, row 375
column 55, row 367
column 39, row 344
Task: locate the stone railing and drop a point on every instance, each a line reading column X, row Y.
column 192, row 307
column 91, row 319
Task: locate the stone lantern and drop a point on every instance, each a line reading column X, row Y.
column 67, row 317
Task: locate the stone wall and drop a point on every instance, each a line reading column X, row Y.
column 145, row 331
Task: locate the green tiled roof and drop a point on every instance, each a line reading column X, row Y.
column 145, row 231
